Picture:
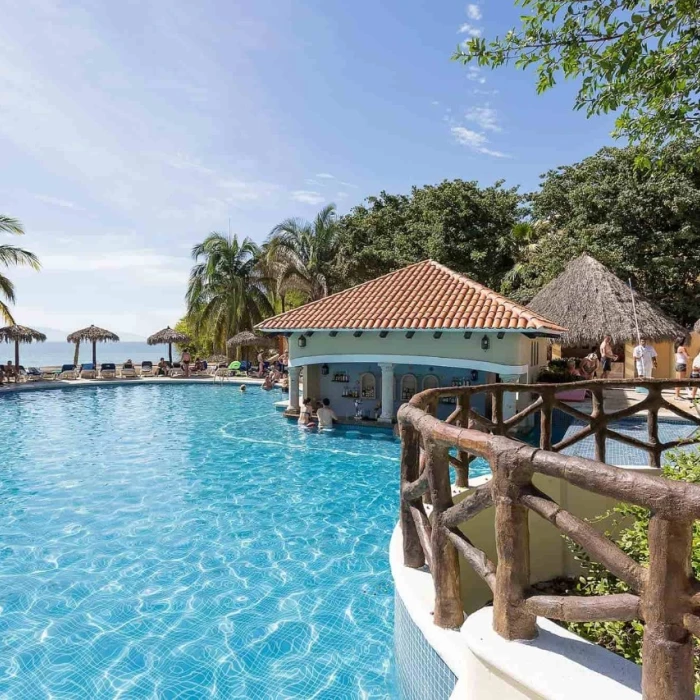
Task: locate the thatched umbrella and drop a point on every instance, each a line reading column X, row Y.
column 247, row 339
column 20, row 334
column 94, row 335
column 590, row 301
column 168, row 336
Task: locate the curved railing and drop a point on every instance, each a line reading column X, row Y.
column 664, row 594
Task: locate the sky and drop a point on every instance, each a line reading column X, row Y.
column 130, row 130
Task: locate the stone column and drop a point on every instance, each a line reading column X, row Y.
column 294, row 388
column 510, row 398
column 387, row 392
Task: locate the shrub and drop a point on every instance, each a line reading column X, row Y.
column 630, row 525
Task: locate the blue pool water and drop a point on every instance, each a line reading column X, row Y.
column 187, row 542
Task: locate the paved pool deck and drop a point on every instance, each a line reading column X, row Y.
column 671, row 427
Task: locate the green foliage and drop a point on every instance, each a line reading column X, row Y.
column 637, row 58
column 11, row 255
column 629, row 529
column 303, row 256
column 202, row 341
column 227, row 291
column 642, row 224
column 456, row 223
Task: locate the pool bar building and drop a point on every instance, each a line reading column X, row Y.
column 370, row 348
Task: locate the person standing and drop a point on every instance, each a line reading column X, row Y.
column 644, row 359
column 607, row 357
column 695, row 374
column 681, row 364
column 185, row 362
column 261, row 365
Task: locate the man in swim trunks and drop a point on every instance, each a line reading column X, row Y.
column 607, row 357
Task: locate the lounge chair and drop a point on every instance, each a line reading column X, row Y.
column 246, row 366
column 108, row 370
column 68, row 372
column 34, row 374
column 147, row 369
column 222, row 372
column 176, row 370
column 88, row 371
column 49, row 374
column 236, row 369
column 128, row 373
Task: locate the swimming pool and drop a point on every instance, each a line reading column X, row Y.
column 185, row 541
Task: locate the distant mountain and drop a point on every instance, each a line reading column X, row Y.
column 53, row 335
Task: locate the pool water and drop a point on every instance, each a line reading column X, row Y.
column 185, row 541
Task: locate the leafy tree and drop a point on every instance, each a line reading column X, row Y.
column 456, row 223
column 303, row 255
column 635, row 57
column 202, row 341
column 227, row 292
column 642, row 224
column 12, row 255
column 630, row 530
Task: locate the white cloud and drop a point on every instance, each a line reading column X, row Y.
column 243, row 191
column 475, row 141
column 486, row 117
column 307, row 197
column 347, row 184
column 64, row 203
column 473, row 12
column 469, row 29
column 325, row 176
column 341, row 195
column 311, row 181
column 475, row 73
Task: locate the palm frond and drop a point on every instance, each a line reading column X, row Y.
column 10, row 225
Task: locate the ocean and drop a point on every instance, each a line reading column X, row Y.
column 50, row 354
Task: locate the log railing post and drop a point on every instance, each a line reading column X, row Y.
column 497, row 411
column 462, row 480
column 597, row 414
column 510, row 619
column 413, row 555
column 667, row 651
column 445, row 562
column 546, row 421
column 655, row 401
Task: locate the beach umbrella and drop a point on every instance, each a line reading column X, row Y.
column 168, row 336
column 94, row 335
column 248, row 339
column 20, row 334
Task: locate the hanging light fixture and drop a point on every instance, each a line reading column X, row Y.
column 485, row 343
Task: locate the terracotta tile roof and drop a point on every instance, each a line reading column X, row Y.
column 425, row 295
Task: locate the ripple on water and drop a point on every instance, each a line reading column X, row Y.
column 185, row 541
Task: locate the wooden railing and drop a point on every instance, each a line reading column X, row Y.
column 664, row 594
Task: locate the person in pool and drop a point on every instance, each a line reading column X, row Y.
column 242, row 389
column 326, row 416
column 305, row 414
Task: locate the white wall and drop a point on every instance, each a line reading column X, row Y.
column 512, row 350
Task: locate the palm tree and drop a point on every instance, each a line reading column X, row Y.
column 12, row 255
column 227, row 292
column 303, row 254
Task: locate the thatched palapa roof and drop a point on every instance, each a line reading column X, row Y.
column 591, row 302
column 249, row 339
column 167, row 336
column 93, row 334
column 12, row 334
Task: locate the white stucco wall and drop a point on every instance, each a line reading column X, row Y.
column 508, row 354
